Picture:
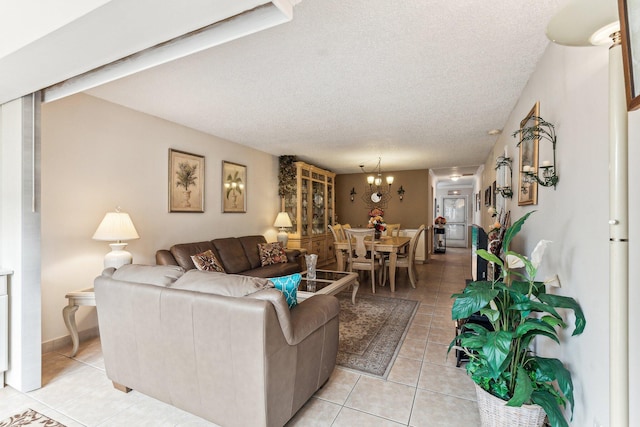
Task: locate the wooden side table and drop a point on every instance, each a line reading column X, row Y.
column 76, row 299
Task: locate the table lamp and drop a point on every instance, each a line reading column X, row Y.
column 116, row 226
column 283, row 221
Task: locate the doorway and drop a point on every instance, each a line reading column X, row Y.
column 454, row 209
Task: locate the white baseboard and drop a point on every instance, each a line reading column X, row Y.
column 58, row 343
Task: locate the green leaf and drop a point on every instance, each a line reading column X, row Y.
column 552, row 321
column 520, row 287
column 535, row 306
column 537, row 327
column 473, row 341
column 523, row 389
column 496, row 350
column 513, row 230
column 570, row 303
column 491, row 314
column 484, row 254
column 472, row 300
column 550, row 406
column 555, row 370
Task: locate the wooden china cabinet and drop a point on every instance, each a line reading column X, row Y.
column 311, row 207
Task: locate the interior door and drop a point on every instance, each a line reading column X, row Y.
column 455, row 212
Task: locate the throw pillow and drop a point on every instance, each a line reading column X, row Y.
column 271, row 253
column 288, row 285
column 207, row 261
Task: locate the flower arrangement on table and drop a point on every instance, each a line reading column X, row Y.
column 376, row 221
column 440, row 220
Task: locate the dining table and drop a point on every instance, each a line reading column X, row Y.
column 391, row 245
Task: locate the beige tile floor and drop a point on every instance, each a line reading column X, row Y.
column 423, row 389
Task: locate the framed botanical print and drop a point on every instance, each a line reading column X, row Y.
column 234, row 188
column 527, row 186
column 186, row 182
column 629, row 12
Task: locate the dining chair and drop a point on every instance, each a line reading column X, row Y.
column 393, row 230
column 407, row 260
column 336, row 231
column 360, row 257
column 338, row 235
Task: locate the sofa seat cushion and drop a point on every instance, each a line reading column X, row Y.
column 159, row 275
column 230, row 285
column 231, row 253
column 182, row 252
column 273, row 270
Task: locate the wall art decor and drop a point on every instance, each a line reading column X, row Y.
column 528, row 189
column 186, row 182
column 487, row 196
column 629, row 11
column 234, row 188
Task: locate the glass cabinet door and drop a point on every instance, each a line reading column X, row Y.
column 318, row 207
column 329, row 200
column 291, row 207
column 306, row 207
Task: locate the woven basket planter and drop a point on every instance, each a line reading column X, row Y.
column 495, row 413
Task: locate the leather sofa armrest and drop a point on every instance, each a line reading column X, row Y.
column 292, row 255
column 311, row 314
column 164, row 257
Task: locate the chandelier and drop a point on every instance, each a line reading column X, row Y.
column 378, row 194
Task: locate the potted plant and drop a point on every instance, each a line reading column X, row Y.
column 519, row 310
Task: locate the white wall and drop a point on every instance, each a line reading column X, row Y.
column 572, row 87
column 20, row 237
column 96, row 156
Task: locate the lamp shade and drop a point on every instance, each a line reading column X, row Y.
column 283, row 220
column 579, row 20
column 116, row 226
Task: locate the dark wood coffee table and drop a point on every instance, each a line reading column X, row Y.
column 329, row 283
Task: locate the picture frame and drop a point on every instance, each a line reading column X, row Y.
column 494, row 194
column 234, row 187
column 487, row 197
column 186, row 181
column 629, row 11
column 528, row 188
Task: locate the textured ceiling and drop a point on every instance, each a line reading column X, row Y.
column 416, row 82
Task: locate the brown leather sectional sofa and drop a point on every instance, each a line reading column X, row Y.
column 221, row 346
column 239, row 255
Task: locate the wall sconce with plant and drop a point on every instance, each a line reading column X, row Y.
column 504, row 174
column 540, row 130
column 401, row 193
column 352, row 193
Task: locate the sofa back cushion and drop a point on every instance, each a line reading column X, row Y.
column 231, row 253
column 159, row 275
column 182, row 252
column 250, row 246
column 231, row 285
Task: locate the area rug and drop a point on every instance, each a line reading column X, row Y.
column 372, row 332
column 30, row 418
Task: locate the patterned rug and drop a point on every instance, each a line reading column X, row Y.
column 30, row 418
column 372, row 331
